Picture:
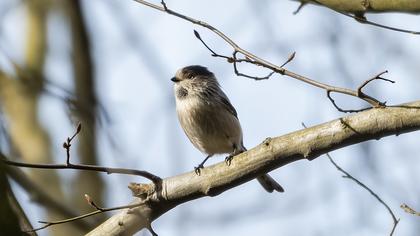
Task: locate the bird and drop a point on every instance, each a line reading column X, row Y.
column 208, row 118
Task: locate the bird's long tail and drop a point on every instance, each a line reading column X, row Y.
column 269, row 184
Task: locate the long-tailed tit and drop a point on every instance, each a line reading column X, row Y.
column 209, row 119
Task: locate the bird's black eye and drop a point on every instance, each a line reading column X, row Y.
column 175, row 79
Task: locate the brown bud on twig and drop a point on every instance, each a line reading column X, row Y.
column 79, row 128
column 88, row 199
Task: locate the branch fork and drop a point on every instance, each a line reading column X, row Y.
column 248, row 57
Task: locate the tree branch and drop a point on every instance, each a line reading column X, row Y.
column 76, row 218
column 273, row 153
column 409, row 210
column 359, row 15
column 376, row 196
column 253, row 59
column 41, row 197
column 369, row 6
column 66, row 145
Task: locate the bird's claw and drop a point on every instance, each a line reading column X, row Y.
column 197, row 169
column 228, row 159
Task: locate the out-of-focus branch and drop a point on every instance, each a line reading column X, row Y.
column 248, row 57
column 36, row 40
column 67, row 145
column 84, row 182
column 38, row 195
column 271, row 154
column 19, row 99
column 11, row 214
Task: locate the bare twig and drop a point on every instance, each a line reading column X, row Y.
column 39, row 196
column 348, row 176
column 92, row 203
column 98, row 211
column 213, row 53
column 253, row 59
column 131, row 206
column 109, row 170
column 361, row 94
column 301, row 5
column 67, row 145
column 164, row 5
column 376, row 77
column 235, row 60
column 344, row 110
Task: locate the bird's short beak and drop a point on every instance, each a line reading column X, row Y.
column 174, row 79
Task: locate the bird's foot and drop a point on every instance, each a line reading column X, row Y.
column 197, row 169
column 229, row 159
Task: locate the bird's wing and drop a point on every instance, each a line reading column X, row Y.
column 226, row 103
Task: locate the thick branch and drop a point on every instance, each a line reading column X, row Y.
column 358, row 9
column 371, row 6
column 273, row 153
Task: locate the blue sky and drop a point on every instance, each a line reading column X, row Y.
column 137, row 50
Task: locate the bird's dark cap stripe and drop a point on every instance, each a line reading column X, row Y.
column 194, row 70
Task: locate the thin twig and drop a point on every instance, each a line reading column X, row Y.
column 92, row 203
column 301, row 5
column 253, row 59
column 109, row 170
column 361, row 94
column 39, row 196
column 344, row 110
column 213, row 53
column 67, row 145
column 101, row 210
column 348, row 176
column 235, row 68
column 376, row 77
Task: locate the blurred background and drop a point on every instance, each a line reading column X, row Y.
column 107, row 64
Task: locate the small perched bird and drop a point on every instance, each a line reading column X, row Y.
column 209, row 119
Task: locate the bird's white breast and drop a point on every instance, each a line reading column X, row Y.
column 211, row 129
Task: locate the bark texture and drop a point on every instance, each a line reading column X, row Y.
column 273, row 153
column 371, row 6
